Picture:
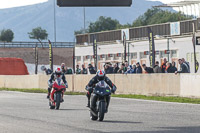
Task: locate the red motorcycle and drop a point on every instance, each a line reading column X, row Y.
column 57, row 92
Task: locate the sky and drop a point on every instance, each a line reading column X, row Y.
column 167, row 1
column 16, row 3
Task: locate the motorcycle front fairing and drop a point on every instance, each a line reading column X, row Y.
column 58, row 86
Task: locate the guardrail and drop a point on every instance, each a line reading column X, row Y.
column 34, row 44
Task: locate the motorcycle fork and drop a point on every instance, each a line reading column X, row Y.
column 55, row 95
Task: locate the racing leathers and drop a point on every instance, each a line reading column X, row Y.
column 92, row 84
column 52, row 78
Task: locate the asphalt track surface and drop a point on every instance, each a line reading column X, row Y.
column 29, row 113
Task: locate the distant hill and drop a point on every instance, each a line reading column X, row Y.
column 23, row 19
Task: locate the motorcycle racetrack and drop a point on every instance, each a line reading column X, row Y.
column 30, row 113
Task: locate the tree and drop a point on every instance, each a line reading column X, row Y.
column 39, row 34
column 157, row 16
column 150, row 17
column 7, row 35
column 103, row 24
column 81, row 31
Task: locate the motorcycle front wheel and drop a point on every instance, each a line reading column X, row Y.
column 101, row 110
column 58, row 97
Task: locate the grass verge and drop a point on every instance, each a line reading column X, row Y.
column 155, row 98
column 38, row 91
column 161, row 98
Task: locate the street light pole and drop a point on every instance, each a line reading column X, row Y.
column 128, row 53
column 54, row 21
column 168, row 47
column 84, row 18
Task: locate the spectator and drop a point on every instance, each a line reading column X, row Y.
column 164, row 65
column 121, row 70
column 138, row 68
column 110, row 68
column 78, row 70
column 84, row 70
column 106, row 69
column 126, row 66
column 63, row 68
column 156, row 68
column 47, row 71
column 187, row 63
column 91, row 69
column 134, row 68
column 183, row 67
column 129, row 70
column 174, row 69
column 116, row 68
column 147, row 69
column 69, row 71
column 169, row 68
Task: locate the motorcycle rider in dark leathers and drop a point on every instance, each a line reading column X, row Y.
column 57, row 74
column 99, row 77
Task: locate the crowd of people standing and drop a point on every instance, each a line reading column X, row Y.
column 125, row 68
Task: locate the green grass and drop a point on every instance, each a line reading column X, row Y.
column 161, row 98
column 156, row 98
column 24, row 90
column 38, row 91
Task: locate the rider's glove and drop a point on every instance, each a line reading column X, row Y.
column 113, row 89
column 90, row 89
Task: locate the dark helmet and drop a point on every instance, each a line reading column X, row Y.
column 100, row 75
column 43, row 68
column 58, row 72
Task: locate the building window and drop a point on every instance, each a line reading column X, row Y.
column 133, row 55
column 91, row 57
column 99, row 57
column 116, row 56
column 108, row 56
column 78, row 58
column 188, row 57
column 142, row 56
column 162, row 54
column 86, row 57
column 174, row 53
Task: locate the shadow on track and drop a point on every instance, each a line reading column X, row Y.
column 127, row 122
column 71, row 109
column 170, row 130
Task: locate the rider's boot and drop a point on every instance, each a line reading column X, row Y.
column 93, row 103
column 62, row 100
column 88, row 96
column 49, row 91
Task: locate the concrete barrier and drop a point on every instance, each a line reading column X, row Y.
column 190, row 85
column 13, row 81
column 184, row 85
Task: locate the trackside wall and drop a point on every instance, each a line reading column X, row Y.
column 184, row 85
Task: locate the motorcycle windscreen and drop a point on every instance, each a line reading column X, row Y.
column 102, row 88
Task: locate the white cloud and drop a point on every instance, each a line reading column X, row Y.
column 16, row 3
column 167, row 1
